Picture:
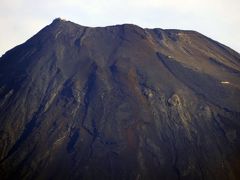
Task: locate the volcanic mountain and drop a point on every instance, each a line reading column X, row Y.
column 119, row 102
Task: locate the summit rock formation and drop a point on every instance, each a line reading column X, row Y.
column 119, row 102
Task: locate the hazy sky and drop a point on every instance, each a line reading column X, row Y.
column 218, row 19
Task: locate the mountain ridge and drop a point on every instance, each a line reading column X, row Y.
column 62, row 21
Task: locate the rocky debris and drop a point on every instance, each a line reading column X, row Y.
column 148, row 93
column 174, row 100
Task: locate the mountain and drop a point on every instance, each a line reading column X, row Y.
column 119, row 102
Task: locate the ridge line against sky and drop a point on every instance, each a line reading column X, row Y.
column 217, row 19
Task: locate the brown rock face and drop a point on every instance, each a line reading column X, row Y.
column 119, row 102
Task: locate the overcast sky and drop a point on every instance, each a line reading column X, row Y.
column 218, row 19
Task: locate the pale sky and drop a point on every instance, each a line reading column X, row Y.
column 217, row 19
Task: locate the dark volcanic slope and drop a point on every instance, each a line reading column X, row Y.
column 119, row 102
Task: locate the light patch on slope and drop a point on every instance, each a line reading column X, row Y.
column 225, row 82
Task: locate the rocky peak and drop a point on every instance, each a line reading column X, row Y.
column 119, row 102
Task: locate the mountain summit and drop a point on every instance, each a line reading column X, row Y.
column 119, row 102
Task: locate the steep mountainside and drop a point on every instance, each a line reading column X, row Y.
column 119, row 102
